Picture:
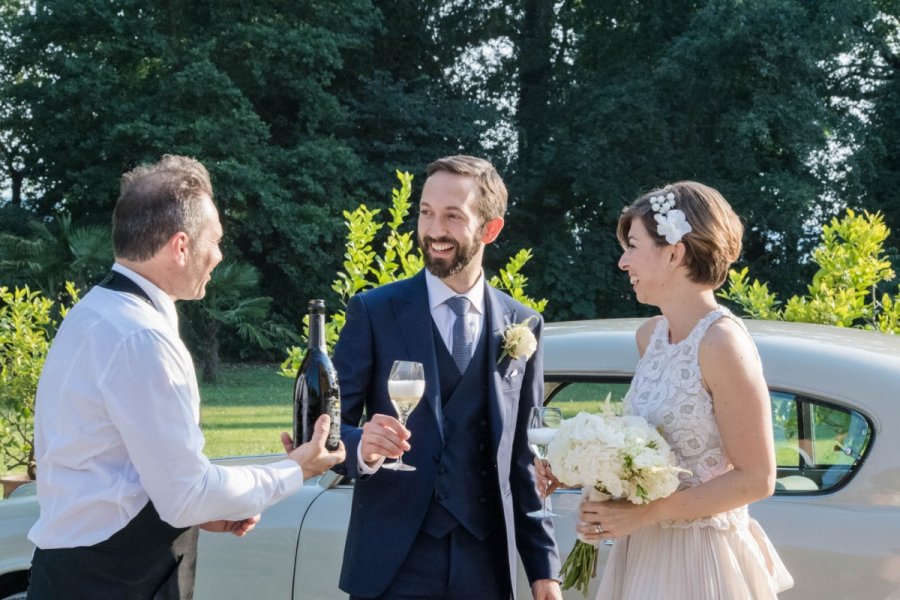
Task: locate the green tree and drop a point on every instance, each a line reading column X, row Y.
column 405, row 105
column 733, row 94
column 12, row 167
column 844, row 291
column 244, row 87
column 866, row 84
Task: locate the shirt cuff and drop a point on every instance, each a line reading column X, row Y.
column 289, row 474
column 363, row 468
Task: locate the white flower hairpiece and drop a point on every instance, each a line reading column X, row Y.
column 671, row 222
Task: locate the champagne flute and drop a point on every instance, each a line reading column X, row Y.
column 406, row 385
column 542, row 425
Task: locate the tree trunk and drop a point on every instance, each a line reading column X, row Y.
column 32, row 464
column 16, row 187
column 211, row 358
column 535, row 74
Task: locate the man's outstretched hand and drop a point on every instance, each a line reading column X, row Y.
column 312, row 456
column 238, row 528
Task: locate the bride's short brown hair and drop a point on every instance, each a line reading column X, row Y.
column 714, row 242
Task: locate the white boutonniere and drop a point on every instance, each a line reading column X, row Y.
column 518, row 341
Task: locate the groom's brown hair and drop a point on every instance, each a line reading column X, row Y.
column 491, row 202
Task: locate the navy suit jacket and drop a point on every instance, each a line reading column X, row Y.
column 393, row 322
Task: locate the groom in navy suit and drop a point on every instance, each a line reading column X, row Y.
column 451, row 528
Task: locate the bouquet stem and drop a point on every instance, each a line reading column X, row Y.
column 580, row 567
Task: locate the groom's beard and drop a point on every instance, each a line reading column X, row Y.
column 443, row 268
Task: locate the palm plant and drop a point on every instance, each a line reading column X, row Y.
column 230, row 307
column 55, row 254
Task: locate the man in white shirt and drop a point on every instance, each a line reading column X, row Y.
column 122, row 477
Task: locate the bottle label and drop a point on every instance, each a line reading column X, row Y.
column 333, row 401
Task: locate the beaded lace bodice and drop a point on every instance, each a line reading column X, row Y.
column 667, row 391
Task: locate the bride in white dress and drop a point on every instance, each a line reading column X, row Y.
column 700, row 381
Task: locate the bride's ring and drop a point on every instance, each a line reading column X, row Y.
column 598, row 529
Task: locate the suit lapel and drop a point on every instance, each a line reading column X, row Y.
column 415, row 325
column 500, row 315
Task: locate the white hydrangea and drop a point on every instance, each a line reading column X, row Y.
column 621, row 456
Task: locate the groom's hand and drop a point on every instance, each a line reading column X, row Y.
column 383, row 436
column 546, row 481
column 546, row 589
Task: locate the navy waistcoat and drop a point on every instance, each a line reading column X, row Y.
column 466, row 491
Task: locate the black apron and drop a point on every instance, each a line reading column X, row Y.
column 148, row 559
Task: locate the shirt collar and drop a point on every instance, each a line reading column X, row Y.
column 161, row 300
column 439, row 292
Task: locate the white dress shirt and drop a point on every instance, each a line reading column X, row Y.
column 444, row 318
column 116, row 424
column 438, row 294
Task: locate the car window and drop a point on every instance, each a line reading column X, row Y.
column 573, row 397
column 818, row 446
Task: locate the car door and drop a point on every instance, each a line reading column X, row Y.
column 821, row 446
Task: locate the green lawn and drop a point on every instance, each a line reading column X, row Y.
column 246, row 411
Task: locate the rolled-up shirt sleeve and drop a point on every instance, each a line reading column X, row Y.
column 149, row 390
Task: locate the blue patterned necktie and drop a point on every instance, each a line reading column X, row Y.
column 463, row 338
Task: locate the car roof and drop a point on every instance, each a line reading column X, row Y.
column 855, row 367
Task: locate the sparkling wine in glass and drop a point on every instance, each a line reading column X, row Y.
column 542, row 425
column 406, row 385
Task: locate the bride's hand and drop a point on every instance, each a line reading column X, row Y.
column 547, row 483
column 613, row 519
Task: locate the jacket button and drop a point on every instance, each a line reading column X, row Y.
column 482, row 499
column 483, row 423
column 439, row 497
column 481, row 446
column 436, row 458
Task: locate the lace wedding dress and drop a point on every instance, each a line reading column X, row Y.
column 726, row 556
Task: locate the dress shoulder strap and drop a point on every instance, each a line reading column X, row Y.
column 714, row 315
column 706, row 322
column 660, row 331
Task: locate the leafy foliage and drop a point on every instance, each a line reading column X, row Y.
column 733, row 94
column 231, row 309
column 27, row 325
column 400, row 258
column 844, row 291
column 789, row 107
column 55, row 254
column 241, row 86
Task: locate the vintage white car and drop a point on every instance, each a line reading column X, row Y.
column 835, row 516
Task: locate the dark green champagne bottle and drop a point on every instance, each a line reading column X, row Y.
column 316, row 390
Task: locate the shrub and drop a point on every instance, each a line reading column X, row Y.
column 844, row 291
column 27, row 325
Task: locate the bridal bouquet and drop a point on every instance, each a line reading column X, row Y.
column 610, row 457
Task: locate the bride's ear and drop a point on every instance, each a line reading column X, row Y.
column 676, row 259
